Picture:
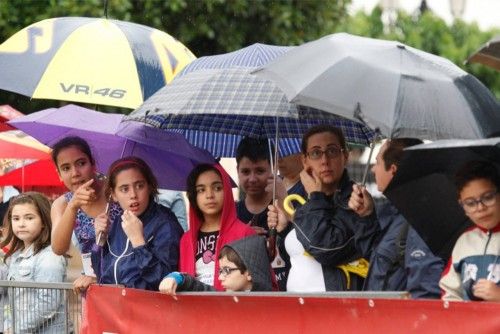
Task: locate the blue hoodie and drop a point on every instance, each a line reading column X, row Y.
column 145, row 266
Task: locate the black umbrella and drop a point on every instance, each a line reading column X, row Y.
column 488, row 54
column 423, row 189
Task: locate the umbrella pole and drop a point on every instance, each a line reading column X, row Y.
column 367, row 167
column 271, row 242
column 22, row 176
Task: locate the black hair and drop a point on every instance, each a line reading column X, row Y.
column 474, row 170
column 191, row 186
column 66, row 142
column 254, row 149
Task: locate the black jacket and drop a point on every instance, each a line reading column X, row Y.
column 334, row 235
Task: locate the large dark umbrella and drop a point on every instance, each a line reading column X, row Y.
column 423, row 189
column 488, row 54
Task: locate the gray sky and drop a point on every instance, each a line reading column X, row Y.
column 485, row 12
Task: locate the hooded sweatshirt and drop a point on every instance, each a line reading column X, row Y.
column 231, row 229
column 252, row 251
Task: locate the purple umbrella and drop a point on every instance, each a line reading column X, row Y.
column 168, row 154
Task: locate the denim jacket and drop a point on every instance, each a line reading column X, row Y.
column 37, row 310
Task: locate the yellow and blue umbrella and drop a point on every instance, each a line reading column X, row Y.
column 90, row 60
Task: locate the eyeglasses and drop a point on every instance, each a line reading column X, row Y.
column 487, row 199
column 226, row 270
column 330, row 152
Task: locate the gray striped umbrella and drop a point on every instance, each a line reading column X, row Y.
column 234, row 102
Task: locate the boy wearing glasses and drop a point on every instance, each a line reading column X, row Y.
column 243, row 266
column 327, row 234
column 473, row 271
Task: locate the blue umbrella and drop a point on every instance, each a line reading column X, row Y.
column 244, row 98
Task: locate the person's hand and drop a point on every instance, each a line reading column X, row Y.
column 280, row 188
column 82, row 283
column 311, row 181
column 84, row 195
column 276, row 218
column 133, row 228
column 361, row 201
column 101, row 224
column 168, row 286
column 486, row 290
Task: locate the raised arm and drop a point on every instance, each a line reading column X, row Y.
column 63, row 220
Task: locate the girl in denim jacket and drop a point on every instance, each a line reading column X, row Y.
column 30, row 259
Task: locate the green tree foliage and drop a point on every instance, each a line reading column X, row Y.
column 430, row 33
column 209, row 27
column 206, row 27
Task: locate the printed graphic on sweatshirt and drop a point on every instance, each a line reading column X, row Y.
column 205, row 256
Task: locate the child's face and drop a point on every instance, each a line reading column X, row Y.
column 253, row 176
column 210, row 193
column 487, row 213
column 132, row 191
column 231, row 278
column 74, row 167
column 26, row 223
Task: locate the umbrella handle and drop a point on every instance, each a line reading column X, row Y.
column 287, row 203
column 271, row 243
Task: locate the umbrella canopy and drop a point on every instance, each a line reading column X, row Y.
column 6, row 114
column 38, row 173
column 233, row 101
column 90, row 60
column 402, row 91
column 254, row 55
column 169, row 155
column 488, row 54
column 21, row 147
column 423, row 189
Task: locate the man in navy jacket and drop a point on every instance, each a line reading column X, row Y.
column 401, row 261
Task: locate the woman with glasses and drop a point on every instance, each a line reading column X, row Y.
column 473, row 271
column 327, row 235
column 212, row 223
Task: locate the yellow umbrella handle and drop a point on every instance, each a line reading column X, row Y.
column 287, row 203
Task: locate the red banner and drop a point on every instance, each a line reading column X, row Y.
column 118, row 310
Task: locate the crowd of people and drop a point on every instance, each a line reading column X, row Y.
column 338, row 240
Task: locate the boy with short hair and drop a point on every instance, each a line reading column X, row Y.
column 256, row 181
column 243, row 264
column 473, row 271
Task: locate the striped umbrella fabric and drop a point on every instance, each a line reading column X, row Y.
column 254, row 55
column 232, row 103
column 90, row 60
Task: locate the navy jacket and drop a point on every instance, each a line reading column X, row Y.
column 416, row 269
column 145, row 266
column 333, row 234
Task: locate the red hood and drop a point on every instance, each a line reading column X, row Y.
column 231, row 229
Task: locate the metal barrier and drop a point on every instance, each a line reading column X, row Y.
column 30, row 307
